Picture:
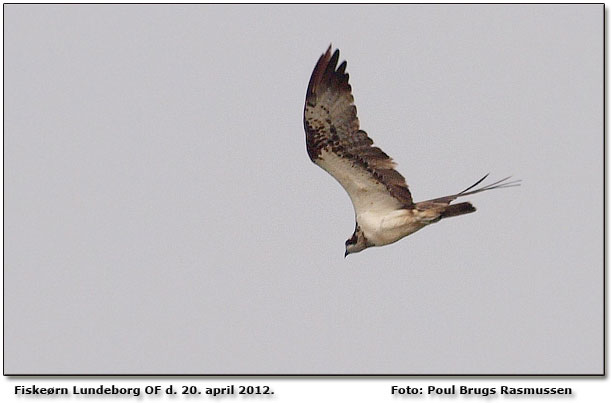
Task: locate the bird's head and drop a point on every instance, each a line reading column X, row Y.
column 356, row 243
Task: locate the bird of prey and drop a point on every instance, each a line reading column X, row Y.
column 384, row 209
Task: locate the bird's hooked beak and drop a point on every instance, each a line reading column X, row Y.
column 345, row 253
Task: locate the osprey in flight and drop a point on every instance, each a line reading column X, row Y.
column 384, row 210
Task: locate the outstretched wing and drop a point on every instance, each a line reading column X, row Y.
column 335, row 142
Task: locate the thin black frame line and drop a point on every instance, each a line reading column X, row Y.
column 313, row 375
column 303, row 3
column 604, row 189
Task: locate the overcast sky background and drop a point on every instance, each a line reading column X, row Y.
column 162, row 215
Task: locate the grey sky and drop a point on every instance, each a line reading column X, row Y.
column 162, row 215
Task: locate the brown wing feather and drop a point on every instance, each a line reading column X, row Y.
column 331, row 124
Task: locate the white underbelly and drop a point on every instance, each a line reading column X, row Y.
column 385, row 229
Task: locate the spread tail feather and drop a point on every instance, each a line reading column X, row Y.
column 442, row 206
column 500, row 184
